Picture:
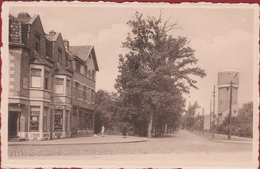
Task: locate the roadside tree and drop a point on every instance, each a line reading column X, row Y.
column 153, row 74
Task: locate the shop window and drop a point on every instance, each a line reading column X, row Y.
column 68, row 87
column 80, row 119
column 36, row 78
column 89, row 121
column 46, row 79
column 44, row 122
column 67, row 121
column 59, row 85
column 34, row 118
column 58, row 120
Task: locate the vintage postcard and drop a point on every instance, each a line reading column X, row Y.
column 88, row 84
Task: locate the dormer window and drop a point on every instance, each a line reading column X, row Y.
column 37, row 39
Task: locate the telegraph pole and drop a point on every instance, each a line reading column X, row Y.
column 203, row 120
column 210, row 114
column 213, row 125
column 230, row 111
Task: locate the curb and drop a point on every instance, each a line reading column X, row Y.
column 225, row 141
column 57, row 144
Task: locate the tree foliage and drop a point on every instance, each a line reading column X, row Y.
column 153, row 75
column 189, row 120
column 242, row 125
column 106, row 110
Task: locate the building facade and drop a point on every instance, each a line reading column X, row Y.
column 45, row 90
column 225, row 77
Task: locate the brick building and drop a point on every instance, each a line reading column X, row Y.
column 51, row 88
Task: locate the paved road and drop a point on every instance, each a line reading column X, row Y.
column 177, row 143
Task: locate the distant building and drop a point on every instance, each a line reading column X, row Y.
column 225, row 77
column 207, row 122
column 50, row 88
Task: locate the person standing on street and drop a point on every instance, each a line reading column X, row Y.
column 103, row 131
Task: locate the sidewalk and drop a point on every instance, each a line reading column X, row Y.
column 107, row 139
column 224, row 138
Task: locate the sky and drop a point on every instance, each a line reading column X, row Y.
column 222, row 38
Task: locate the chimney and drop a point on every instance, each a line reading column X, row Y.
column 22, row 15
column 52, row 32
column 66, row 43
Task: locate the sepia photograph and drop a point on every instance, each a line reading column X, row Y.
column 99, row 84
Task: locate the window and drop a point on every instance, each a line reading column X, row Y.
column 89, row 74
column 67, row 60
column 37, row 39
column 77, row 66
column 89, row 94
column 76, row 89
column 44, row 122
column 68, row 87
column 58, row 120
column 34, row 118
column 59, row 85
column 86, row 71
column 46, row 79
column 85, row 93
column 36, row 78
column 59, row 56
column 93, row 75
column 92, row 96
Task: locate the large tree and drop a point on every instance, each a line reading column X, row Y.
column 154, row 73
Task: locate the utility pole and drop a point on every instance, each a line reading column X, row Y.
column 230, row 111
column 210, row 114
column 203, row 120
column 213, row 125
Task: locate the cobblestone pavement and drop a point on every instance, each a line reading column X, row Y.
column 179, row 142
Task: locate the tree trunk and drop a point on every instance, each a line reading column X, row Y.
column 150, row 125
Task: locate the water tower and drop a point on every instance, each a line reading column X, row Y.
column 225, row 77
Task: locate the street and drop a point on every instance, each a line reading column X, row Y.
column 181, row 148
column 179, row 142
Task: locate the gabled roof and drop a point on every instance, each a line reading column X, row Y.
column 52, row 37
column 83, row 52
column 38, row 59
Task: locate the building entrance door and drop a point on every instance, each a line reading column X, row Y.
column 13, row 123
